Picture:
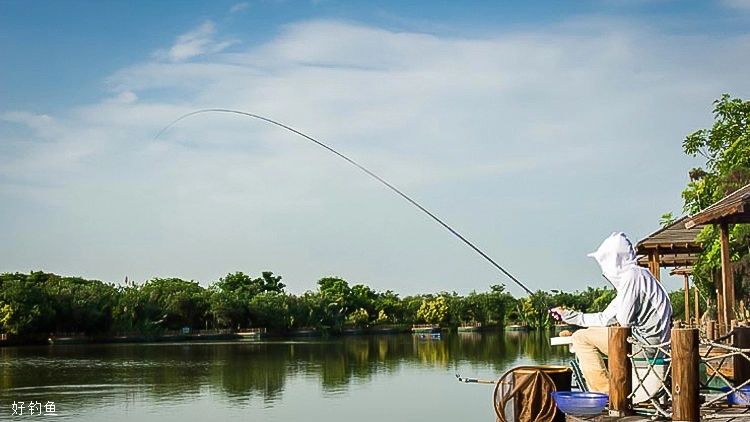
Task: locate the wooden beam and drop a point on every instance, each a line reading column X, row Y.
column 654, row 265
column 727, row 275
column 734, row 211
column 672, row 248
column 719, row 302
column 687, row 299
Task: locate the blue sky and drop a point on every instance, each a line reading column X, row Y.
column 49, row 47
column 536, row 128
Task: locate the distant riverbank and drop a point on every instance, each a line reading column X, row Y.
column 39, row 307
column 260, row 333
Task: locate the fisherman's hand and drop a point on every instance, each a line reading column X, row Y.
column 557, row 312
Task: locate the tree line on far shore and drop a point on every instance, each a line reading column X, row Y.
column 41, row 303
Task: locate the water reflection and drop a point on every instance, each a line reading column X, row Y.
column 84, row 377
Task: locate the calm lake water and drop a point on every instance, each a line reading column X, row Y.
column 362, row 378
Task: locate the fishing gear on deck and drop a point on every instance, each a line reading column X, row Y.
column 522, row 393
column 362, row 168
column 467, row 380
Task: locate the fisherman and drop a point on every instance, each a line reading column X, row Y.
column 641, row 303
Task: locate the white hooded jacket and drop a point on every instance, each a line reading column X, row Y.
column 641, row 303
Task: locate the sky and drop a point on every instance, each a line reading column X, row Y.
column 534, row 128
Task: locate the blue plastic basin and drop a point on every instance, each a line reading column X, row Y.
column 580, row 403
column 739, row 398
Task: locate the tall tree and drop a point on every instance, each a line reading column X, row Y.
column 725, row 147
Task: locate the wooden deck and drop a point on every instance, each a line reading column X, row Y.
column 726, row 414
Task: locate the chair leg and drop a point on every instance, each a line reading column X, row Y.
column 578, row 374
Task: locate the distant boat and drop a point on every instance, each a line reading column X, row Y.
column 470, row 328
column 425, row 328
column 69, row 339
column 429, row 336
column 516, row 327
column 352, row 331
column 305, row 332
column 388, row 329
column 251, row 333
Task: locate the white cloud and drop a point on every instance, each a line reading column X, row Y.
column 737, row 4
column 124, row 97
column 236, row 8
column 196, row 42
column 535, row 144
column 26, row 118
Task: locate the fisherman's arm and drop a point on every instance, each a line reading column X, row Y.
column 608, row 316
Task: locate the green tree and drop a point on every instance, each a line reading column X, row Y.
column 80, row 305
column 667, row 219
column 725, row 147
column 498, row 302
column 389, row 307
column 181, row 303
column 473, row 308
column 364, row 298
column 534, row 309
column 359, row 317
column 247, row 287
column 677, row 298
column 270, row 310
column 134, row 312
column 231, row 296
column 336, row 298
column 410, row 307
column 602, row 300
column 433, row 311
column 308, row 310
column 226, row 309
column 24, row 308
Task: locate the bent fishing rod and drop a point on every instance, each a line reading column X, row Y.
column 359, row 166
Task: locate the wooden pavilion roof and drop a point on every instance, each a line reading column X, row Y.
column 671, row 260
column 733, row 208
column 682, row 271
column 674, row 239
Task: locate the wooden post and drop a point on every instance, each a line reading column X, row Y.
column 696, row 304
column 620, row 372
column 687, row 299
column 685, row 360
column 711, row 330
column 719, row 302
column 654, row 264
column 727, row 276
column 741, row 365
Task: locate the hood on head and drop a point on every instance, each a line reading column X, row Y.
column 615, row 255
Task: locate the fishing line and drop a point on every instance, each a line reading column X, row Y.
column 362, row 168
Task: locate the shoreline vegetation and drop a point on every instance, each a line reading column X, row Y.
column 39, row 307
